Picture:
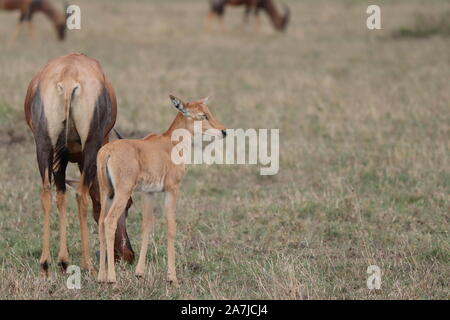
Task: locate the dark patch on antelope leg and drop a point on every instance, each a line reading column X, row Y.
column 44, row 267
column 44, row 155
column 95, row 198
column 60, row 161
column 100, row 121
column 44, row 149
column 23, row 17
column 218, row 7
column 122, row 245
column 63, row 266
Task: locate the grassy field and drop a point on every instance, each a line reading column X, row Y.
column 364, row 119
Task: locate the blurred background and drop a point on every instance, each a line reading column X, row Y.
column 364, row 119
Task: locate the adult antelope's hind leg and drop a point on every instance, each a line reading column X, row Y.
column 148, row 220
column 46, row 200
column 44, row 153
column 170, row 206
column 61, row 202
column 88, row 170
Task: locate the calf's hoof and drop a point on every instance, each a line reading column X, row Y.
column 101, row 278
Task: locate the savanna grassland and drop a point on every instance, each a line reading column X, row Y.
column 364, row 119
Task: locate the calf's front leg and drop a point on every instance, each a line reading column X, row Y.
column 147, row 226
column 170, row 206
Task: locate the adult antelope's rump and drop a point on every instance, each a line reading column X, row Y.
column 71, row 107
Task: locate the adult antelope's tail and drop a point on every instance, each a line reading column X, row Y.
column 67, row 108
column 69, row 96
column 60, row 148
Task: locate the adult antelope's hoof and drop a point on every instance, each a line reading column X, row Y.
column 63, row 266
column 44, row 269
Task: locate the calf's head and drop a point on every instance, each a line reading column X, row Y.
column 199, row 111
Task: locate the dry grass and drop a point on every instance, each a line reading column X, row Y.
column 364, row 179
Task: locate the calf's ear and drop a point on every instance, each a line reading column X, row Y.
column 179, row 105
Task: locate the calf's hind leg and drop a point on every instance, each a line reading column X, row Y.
column 122, row 245
column 106, row 204
column 118, row 205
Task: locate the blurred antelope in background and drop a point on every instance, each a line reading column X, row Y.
column 28, row 8
column 71, row 107
column 279, row 21
column 145, row 165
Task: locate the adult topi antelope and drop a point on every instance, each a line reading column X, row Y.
column 279, row 21
column 71, row 107
column 27, row 10
column 145, row 165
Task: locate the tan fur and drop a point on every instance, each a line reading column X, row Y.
column 61, row 203
column 64, row 73
column 73, row 81
column 46, row 200
column 144, row 165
